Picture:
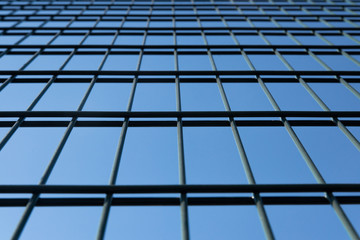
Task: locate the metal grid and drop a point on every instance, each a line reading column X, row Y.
column 55, row 19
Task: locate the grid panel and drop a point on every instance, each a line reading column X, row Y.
column 180, row 114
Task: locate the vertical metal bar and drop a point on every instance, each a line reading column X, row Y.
column 120, row 147
column 18, row 123
column 340, row 213
column 295, row 139
column 340, row 50
column 15, row 44
column 333, row 201
column 341, row 126
column 181, row 155
column 341, row 80
column 6, row 82
column 35, row 197
column 32, row 105
column 349, row 87
column 244, row 159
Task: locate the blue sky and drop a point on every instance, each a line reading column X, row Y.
column 150, row 155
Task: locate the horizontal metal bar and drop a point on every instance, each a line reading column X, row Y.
column 158, row 6
column 199, row 123
column 166, row 201
column 138, row 47
column 183, row 114
column 184, row 28
column 184, row 4
column 169, row 52
column 209, row 79
column 161, row 73
column 114, row 189
column 168, row 17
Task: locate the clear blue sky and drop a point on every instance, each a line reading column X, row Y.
column 150, row 154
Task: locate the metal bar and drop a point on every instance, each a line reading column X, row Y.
column 37, row 53
column 316, row 173
column 195, row 4
column 341, row 126
column 245, row 162
column 193, row 201
column 181, row 155
column 161, row 17
column 181, row 72
column 183, row 79
column 176, row 46
column 188, row 188
column 185, row 28
column 186, row 123
column 32, row 202
column 119, row 150
column 21, row 119
column 187, row 114
column 333, row 14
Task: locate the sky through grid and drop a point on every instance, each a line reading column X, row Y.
column 253, row 56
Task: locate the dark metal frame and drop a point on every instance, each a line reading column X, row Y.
column 343, row 10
